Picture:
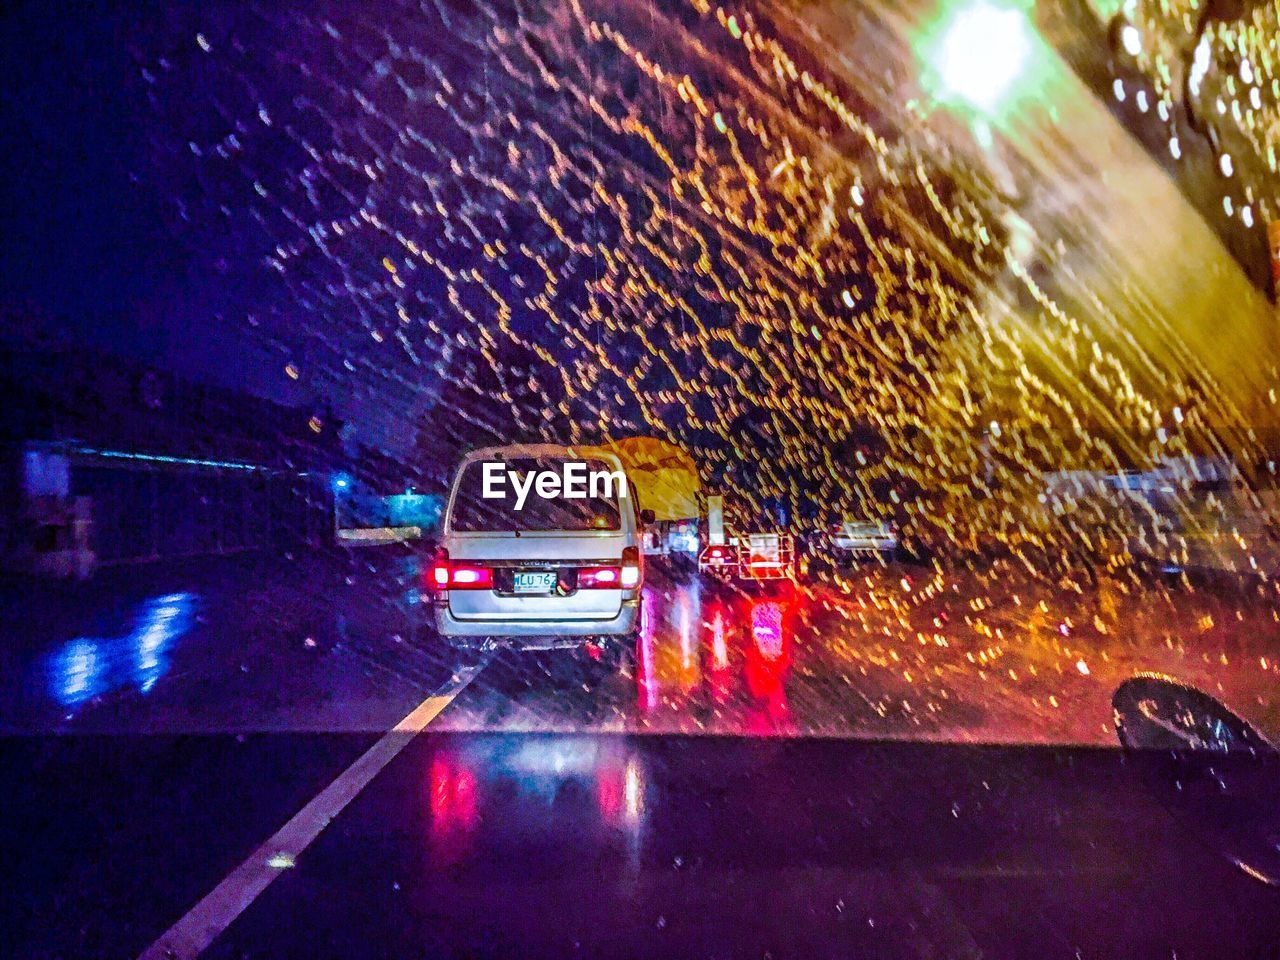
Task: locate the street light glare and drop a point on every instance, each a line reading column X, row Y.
column 1132, row 40
column 983, row 51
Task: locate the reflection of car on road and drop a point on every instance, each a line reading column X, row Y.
column 601, row 781
column 547, row 571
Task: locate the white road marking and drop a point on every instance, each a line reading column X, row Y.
column 191, row 935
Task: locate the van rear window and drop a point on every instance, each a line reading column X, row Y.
column 473, row 512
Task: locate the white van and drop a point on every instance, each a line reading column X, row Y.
column 552, row 563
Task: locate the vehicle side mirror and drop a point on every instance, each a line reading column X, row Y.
column 1159, row 714
column 647, row 517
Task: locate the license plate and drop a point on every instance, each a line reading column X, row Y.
column 535, row 581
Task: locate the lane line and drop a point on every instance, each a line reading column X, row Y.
column 192, row 934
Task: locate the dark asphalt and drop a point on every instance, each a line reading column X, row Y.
column 557, row 846
column 107, row 839
column 547, row 845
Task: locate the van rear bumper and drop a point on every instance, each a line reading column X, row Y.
column 450, row 626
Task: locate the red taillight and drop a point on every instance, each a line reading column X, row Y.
column 632, row 570
column 599, row 578
column 468, row 576
column 447, row 575
column 438, row 573
column 716, row 555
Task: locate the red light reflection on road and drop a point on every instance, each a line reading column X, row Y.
column 452, row 793
column 609, row 789
column 719, row 676
column 719, row 652
column 646, row 680
column 768, row 662
column 766, row 629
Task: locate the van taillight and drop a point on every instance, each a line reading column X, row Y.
column 599, row 578
column 632, row 571
column 459, row 575
column 438, row 572
column 468, row 576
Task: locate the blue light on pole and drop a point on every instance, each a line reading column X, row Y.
column 340, row 483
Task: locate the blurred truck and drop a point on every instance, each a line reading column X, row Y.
column 666, row 481
column 745, row 555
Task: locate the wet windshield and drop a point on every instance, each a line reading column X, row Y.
column 936, row 339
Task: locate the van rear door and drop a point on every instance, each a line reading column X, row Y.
column 549, row 556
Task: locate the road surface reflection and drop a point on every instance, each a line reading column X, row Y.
column 87, row 667
column 899, row 651
column 596, row 783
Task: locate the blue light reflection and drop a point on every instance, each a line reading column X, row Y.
column 86, row 667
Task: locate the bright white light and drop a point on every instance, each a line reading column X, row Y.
column 984, row 50
column 1175, row 148
column 1118, row 89
column 1200, row 64
column 1224, row 164
column 1131, row 39
column 633, row 791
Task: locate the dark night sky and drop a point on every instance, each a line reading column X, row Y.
column 111, row 228
column 86, row 241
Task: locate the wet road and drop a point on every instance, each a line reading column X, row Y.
column 212, row 721
column 342, row 644
column 551, row 845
